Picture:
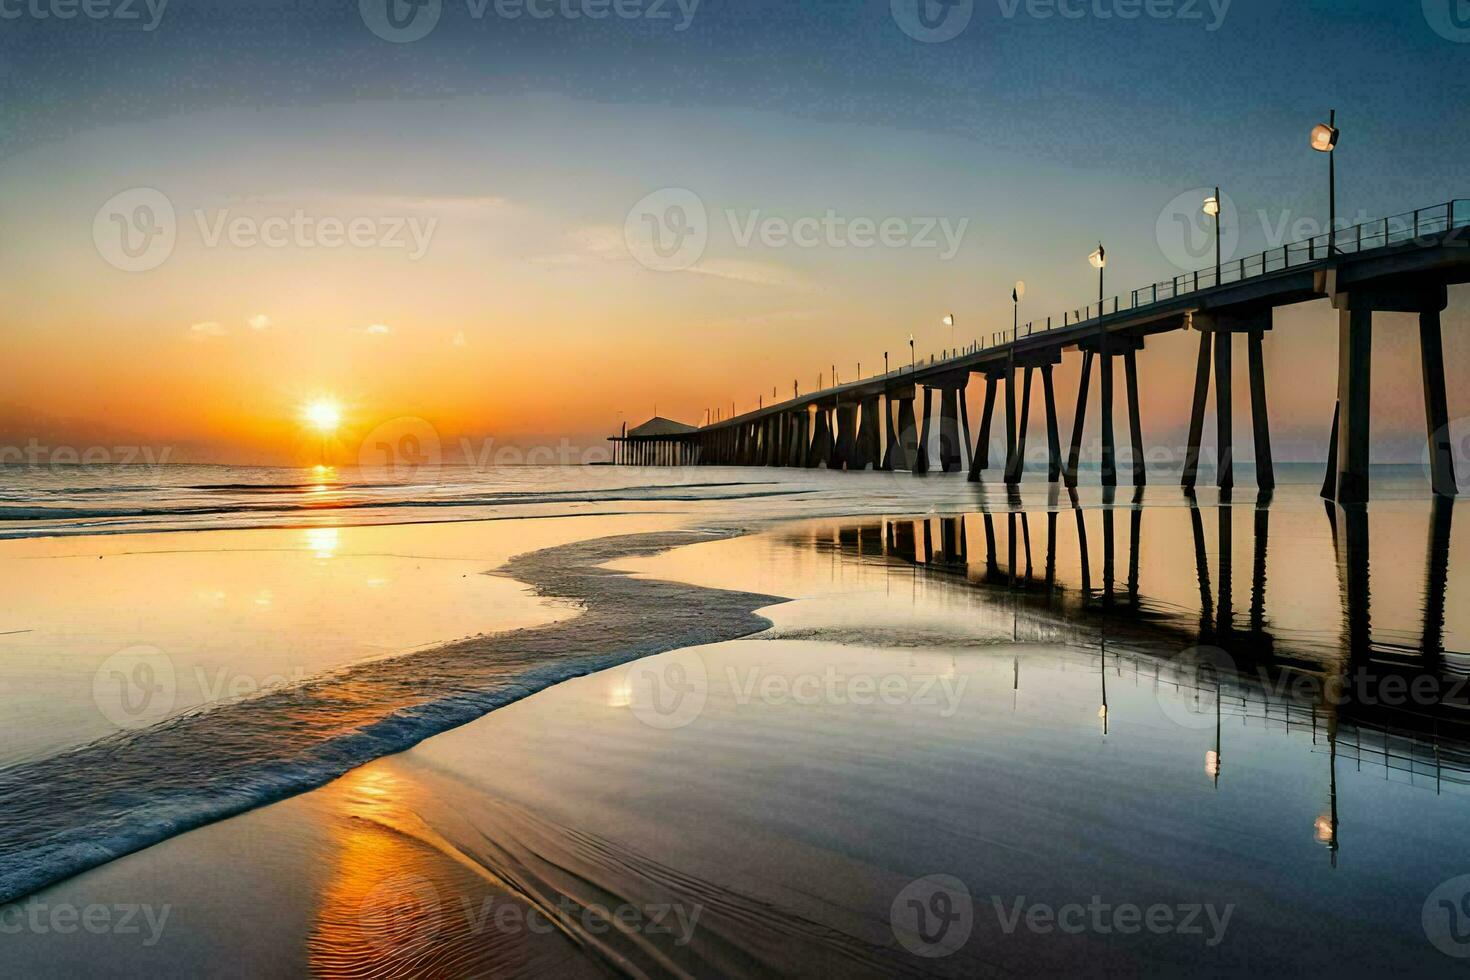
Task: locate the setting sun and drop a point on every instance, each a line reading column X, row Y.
column 323, row 415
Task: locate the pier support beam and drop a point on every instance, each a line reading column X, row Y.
column 890, row 437
column 1109, row 443
column 1081, row 419
column 1354, row 377
column 1197, row 413
column 1135, row 422
column 1224, row 413
column 921, row 458
column 1016, row 464
column 1053, row 440
column 1436, row 410
column 1260, row 418
column 869, row 446
column 842, row 453
column 821, row 451
column 907, row 455
column 980, row 458
column 950, row 450
column 1218, row 328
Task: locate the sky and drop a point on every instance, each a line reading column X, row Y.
column 216, row 213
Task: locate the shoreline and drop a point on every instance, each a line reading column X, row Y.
column 286, row 742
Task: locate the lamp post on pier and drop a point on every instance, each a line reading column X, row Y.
column 1212, row 208
column 1324, row 140
column 1099, row 260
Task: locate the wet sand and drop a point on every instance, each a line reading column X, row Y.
column 818, row 778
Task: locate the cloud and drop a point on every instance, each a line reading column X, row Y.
column 206, row 330
column 459, row 339
column 259, row 322
column 377, row 330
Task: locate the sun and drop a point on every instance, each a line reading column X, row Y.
column 324, row 415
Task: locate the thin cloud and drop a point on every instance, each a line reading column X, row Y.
column 207, row 330
column 259, row 322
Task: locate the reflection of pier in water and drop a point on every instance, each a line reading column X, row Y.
column 1338, row 689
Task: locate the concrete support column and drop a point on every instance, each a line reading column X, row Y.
column 821, row 451
column 1080, row 421
column 1354, row 377
column 1260, row 418
column 1135, row 422
column 921, row 458
column 1224, row 420
column 843, row 452
column 980, row 459
column 1016, row 463
column 1010, row 411
column 890, row 440
column 1197, row 413
column 870, row 440
column 1053, row 440
column 908, row 435
column 1436, row 410
column 950, row 452
column 1109, row 444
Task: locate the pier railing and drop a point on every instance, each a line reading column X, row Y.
column 1410, row 227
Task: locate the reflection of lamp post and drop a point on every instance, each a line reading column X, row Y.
column 1324, row 140
column 1212, row 208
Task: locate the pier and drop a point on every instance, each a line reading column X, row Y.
column 894, row 421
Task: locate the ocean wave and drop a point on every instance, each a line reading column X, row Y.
column 73, row 811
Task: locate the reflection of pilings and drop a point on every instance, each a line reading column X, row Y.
column 1051, row 549
column 1353, row 564
column 1026, row 539
column 1258, row 571
column 1082, row 554
column 992, row 567
column 1201, row 567
column 1225, row 618
column 1108, row 556
column 1135, row 537
column 1441, row 515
